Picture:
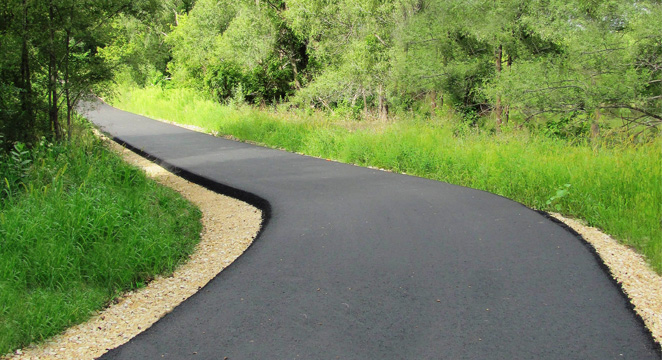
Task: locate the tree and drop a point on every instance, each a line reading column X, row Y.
column 461, row 48
column 610, row 62
column 350, row 41
column 51, row 59
column 230, row 46
column 438, row 51
column 17, row 101
column 506, row 58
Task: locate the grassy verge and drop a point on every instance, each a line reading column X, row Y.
column 615, row 188
column 77, row 227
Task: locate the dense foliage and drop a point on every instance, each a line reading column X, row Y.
column 49, row 58
column 580, row 64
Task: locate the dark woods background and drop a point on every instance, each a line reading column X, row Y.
column 573, row 66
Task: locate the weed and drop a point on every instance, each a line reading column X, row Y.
column 562, row 192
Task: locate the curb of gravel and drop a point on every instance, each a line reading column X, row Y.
column 229, row 228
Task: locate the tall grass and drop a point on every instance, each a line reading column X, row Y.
column 615, row 188
column 76, row 229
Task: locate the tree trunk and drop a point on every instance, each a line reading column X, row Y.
column 595, row 126
column 297, row 85
column 188, row 6
column 365, row 104
column 26, row 78
column 498, row 109
column 52, row 76
column 383, row 108
column 506, row 110
column 67, row 38
column 433, row 99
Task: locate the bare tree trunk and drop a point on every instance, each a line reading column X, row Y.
column 365, row 103
column 498, row 109
column 595, row 126
column 433, row 99
column 383, row 108
column 188, row 5
column 26, row 77
column 297, row 85
column 66, row 82
column 380, row 104
column 52, row 76
column 506, row 110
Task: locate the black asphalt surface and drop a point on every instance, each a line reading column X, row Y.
column 355, row 263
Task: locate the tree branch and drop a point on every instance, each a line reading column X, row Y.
column 624, row 106
column 553, row 88
column 380, row 40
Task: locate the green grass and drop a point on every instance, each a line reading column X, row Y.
column 615, row 188
column 78, row 227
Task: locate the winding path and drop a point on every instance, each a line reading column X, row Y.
column 355, row 263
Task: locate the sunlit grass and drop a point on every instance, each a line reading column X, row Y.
column 82, row 227
column 615, row 188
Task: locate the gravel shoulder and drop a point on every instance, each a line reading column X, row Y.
column 639, row 282
column 230, row 227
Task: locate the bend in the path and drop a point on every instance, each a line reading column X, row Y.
column 359, row 264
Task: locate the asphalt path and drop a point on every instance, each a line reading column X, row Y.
column 356, row 263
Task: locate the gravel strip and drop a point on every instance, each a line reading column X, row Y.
column 641, row 284
column 229, row 227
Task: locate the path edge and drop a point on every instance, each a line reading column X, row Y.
column 657, row 347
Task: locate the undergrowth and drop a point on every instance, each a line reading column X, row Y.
column 78, row 226
column 615, row 187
